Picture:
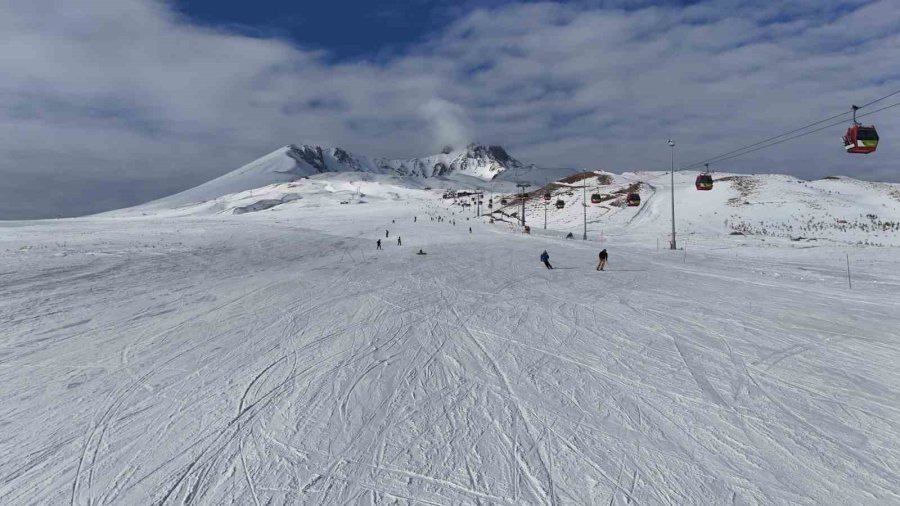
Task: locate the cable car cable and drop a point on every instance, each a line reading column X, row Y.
column 804, row 133
column 879, row 100
column 724, row 156
column 717, row 158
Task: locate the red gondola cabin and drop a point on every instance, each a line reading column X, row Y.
column 633, row 199
column 861, row 139
column 704, row 182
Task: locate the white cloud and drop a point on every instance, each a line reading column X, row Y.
column 449, row 123
column 109, row 102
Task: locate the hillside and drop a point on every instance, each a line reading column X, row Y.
column 781, row 208
column 277, row 357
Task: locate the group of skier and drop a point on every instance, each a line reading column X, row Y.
column 601, row 263
column 387, row 233
column 602, row 258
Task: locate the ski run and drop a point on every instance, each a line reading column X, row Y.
column 188, row 355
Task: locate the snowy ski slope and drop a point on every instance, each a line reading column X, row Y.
column 275, row 357
column 778, row 208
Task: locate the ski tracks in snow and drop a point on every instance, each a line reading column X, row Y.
column 283, row 367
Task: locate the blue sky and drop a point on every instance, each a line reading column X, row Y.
column 351, row 29
column 354, row 29
column 115, row 102
column 346, row 29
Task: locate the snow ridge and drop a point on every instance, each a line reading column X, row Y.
column 477, row 160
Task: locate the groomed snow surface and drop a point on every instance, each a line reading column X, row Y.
column 276, row 357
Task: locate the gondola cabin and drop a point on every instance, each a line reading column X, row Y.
column 861, row 139
column 704, row 182
column 560, row 204
column 633, row 199
column 596, row 198
column 547, row 197
column 503, row 202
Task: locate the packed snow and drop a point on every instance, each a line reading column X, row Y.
column 253, row 347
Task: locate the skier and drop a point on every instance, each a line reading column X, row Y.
column 545, row 257
column 602, row 263
column 398, row 241
column 387, row 233
column 470, row 230
column 414, row 219
column 378, row 244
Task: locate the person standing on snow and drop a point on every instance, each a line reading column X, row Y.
column 378, row 244
column 387, row 233
column 601, row 264
column 545, row 257
column 398, row 241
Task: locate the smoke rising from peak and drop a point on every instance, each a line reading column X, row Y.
column 449, row 123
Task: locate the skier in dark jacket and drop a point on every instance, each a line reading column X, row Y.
column 387, row 233
column 398, row 241
column 545, row 257
column 378, row 244
column 601, row 264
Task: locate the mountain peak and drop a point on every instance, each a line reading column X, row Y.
column 493, row 152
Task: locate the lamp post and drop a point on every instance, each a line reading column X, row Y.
column 584, row 206
column 672, row 242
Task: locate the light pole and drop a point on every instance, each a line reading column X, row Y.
column 584, row 205
column 672, row 145
column 522, row 186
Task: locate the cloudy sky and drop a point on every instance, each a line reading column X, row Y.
column 107, row 103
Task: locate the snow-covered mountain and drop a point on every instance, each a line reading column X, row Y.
column 778, row 207
column 294, row 162
column 483, row 162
